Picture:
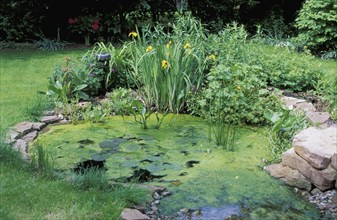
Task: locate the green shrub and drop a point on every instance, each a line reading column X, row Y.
column 326, row 90
column 285, row 125
column 317, row 23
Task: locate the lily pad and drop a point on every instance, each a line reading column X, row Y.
column 100, row 157
column 112, row 144
column 155, row 167
column 131, row 164
column 172, row 166
column 152, row 158
column 131, row 147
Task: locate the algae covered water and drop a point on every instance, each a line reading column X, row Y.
column 206, row 181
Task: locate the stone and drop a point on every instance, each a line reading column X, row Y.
column 289, row 176
column 316, row 145
column 334, row 161
column 294, row 161
column 38, row 126
column 21, row 146
column 318, row 117
column 49, row 113
column 24, row 127
column 133, row 214
column 83, row 105
column 290, row 101
column 30, row 136
column 316, row 191
column 11, row 136
column 50, row 119
column 329, row 174
column 304, row 107
column 151, row 188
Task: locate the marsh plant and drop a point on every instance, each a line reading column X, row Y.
column 166, row 67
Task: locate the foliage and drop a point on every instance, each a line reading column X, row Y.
column 66, row 83
column 317, row 23
column 92, row 178
column 285, row 125
column 49, row 44
column 43, row 162
column 95, row 113
column 326, row 90
column 38, row 105
column 166, row 67
column 115, row 69
column 20, row 19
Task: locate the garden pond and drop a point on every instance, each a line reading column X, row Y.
column 202, row 176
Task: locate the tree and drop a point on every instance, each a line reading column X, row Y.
column 317, row 23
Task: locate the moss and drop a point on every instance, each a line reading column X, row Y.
column 199, row 173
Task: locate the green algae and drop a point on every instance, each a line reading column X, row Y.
column 198, row 172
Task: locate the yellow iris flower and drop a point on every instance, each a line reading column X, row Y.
column 149, row 49
column 212, row 57
column 164, row 64
column 168, row 45
column 187, row 45
column 133, row 34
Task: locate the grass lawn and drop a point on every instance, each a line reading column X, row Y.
column 23, row 194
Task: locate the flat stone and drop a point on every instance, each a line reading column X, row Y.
column 316, row 145
column 315, row 176
column 305, row 107
column 21, row 146
column 38, row 125
column 289, row 176
column 50, row 119
column 133, row 214
column 329, row 173
column 83, row 104
column 318, row 117
column 30, row 136
column 11, row 136
column 24, row 127
column 151, row 188
column 49, row 113
column 333, row 163
column 291, row 101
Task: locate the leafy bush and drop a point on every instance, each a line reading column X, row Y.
column 326, row 90
column 317, row 23
column 285, row 125
column 235, row 95
column 49, row 44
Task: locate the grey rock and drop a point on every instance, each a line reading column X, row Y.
column 38, row 126
column 83, row 105
column 290, row 102
column 156, row 195
column 316, row 191
column 21, row 146
column 316, row 145
column 289, row 176
column 50, row 119
column 24, row 127
column 12, row 136
column 305, row 107
column 294, row 161
column 333, row 163
column 49, row 113
column 30, row 136
column 318, row 117
column 133, row 214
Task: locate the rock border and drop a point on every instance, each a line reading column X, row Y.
column 311, row 170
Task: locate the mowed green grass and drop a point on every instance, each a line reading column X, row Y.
column 22, row 75
column 23, row 193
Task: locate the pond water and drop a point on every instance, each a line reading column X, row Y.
column 206, row 181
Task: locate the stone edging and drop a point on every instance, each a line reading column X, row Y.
column 311, row 164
